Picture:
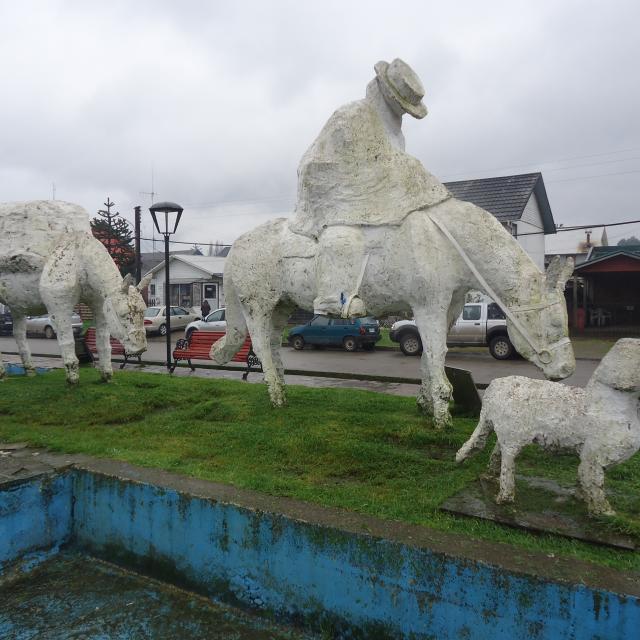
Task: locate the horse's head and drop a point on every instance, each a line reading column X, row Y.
column 540, row 332
column 125, row 315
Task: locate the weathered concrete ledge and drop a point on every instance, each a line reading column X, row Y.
column 331, row 569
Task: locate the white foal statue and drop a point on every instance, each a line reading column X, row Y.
column 414, row 266
column 50, row 261
column 599, row 423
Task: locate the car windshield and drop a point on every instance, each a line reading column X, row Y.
column 151, row 312
column 368, row 320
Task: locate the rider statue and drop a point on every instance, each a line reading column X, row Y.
column 356, row 175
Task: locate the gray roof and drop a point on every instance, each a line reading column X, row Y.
column 150, row 259
column 506, row 196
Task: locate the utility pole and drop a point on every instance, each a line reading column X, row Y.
column 152, row 194
column 138, row 219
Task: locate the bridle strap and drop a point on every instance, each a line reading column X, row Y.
column 496, row 298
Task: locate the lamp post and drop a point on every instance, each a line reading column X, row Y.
column 166, row 224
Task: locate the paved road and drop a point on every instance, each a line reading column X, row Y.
column 385, row 363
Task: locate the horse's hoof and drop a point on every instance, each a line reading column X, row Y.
column 106, row 377
column 73, row 381
column 502, row 498
column 31, row 372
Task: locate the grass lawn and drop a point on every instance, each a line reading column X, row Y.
column 364, row 451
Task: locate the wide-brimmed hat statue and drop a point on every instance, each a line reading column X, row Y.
column 400, row 83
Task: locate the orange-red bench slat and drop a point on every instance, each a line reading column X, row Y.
column 200, row 347
column 90, row 340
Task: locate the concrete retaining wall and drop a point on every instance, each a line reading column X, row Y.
column 329, row 579
column 346, row 580
column 35, row 519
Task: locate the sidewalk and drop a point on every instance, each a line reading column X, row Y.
column 392, row 388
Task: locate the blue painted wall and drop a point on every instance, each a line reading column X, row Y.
column 352, row 586
column 35, row 518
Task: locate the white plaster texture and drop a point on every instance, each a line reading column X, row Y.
column 411, row 267
column 50, row 261
column 374, row 233
column 600, row 423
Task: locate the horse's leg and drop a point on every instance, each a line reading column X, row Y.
column 20, row 334
column 66, row 341
column 278, row 323
column 103, row 343
column 260, row 325
column 435, row 391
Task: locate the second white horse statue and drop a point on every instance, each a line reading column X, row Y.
column 50, row 261
column 424, row 265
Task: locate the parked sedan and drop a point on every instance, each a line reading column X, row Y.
column 6, row 323
column 43, row 326
column 215, row 321
column 155, row 319
column 325, row 331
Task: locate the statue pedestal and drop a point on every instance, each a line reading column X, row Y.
column 541, row 505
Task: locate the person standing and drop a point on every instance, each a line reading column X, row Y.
column 205, row 309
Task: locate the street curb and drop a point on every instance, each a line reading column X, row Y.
column 292, row 372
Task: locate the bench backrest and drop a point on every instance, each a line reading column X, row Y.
column 201, row 341
column 90, row 341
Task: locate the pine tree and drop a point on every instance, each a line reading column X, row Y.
column 116, row 235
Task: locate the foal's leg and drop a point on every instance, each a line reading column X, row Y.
column 507, row 474
column 103, row 344
column 260, row 328
column 591, row 477
column 435, row 391
column 20, row 334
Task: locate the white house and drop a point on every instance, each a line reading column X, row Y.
column 192, row 280
column 519, row 202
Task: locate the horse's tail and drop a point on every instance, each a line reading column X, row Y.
column 478, row 438
column 224, row 349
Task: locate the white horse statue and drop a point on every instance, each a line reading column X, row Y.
column 425, row 265
column 50, row 261
column 599, row 423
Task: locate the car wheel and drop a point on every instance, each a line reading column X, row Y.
column 350, row 343
column 501, row 348
column 297, row 342
column 410, row 344
column 49, row 333
column 369, row 346
column 162, row 330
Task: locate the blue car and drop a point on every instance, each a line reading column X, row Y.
column 322, row 331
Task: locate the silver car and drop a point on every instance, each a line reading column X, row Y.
column 215, row 321
column 155, row 319
column 43, row 325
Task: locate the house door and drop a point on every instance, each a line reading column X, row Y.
column 210, row 294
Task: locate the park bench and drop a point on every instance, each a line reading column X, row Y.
column 117, row 348
column 198, row 347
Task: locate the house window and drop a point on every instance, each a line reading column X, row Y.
column 210, row 291
column 152, row 289
column 181, row 295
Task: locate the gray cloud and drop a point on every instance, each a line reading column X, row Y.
column 222, row 99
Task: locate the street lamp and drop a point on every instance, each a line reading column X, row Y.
column 166, row 216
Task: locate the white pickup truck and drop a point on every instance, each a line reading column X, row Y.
column 480, row 324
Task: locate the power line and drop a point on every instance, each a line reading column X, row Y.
column 538, row 163
column 530, row 233
column 582, row 226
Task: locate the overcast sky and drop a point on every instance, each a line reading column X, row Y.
column 223, row 98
